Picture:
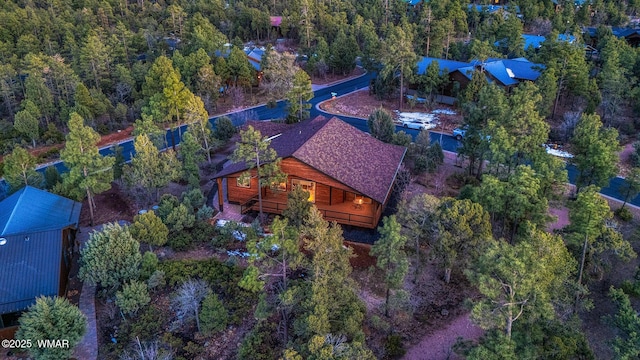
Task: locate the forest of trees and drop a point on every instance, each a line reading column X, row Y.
column 71, row 70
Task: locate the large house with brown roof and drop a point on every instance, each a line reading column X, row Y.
column 348, row 174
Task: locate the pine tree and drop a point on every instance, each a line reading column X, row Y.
column 89, row 171
column 149, row 169
column 596, row 152
column 397, row 55
column 381, row 126
column 199, row 125
column 27, row 123
column 168, row 96
column 298, row 97
column 589, row 216
column 48, row 319
column 256, row 152
column 463, row 233
column 521, row 282
column 94, row 59
column 240, row 70
column 20, row 170
column 391, row 257
column 191, row 158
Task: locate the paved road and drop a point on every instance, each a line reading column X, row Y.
column 263, row 113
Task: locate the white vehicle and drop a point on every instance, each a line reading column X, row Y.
column 418, row 124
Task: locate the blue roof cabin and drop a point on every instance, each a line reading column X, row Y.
column 37, row 233
column 504, row 72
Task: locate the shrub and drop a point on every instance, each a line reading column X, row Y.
column 193, row 199
column 227, row 234
column 168, row 202
column 631, row 287
column 180, row 241
column 222, row 278
column 187, row 300
column 149, row 265
column 224, row 129
column 149, row 228
column 401, row 138
column 202, row 232
column 204, row 213
column 148, row 325
column 379, row 324
column 261, row 343
column 393, row 347
column 180, row 218
column 132, row 297
column 110, row 257
column 52, row 318
column 156, row 279
column 213, row 316
column 624, row 214
column 193, row 350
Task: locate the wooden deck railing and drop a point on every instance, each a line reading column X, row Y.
column 276, row 207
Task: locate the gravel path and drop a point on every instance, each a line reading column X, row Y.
column 437, row 346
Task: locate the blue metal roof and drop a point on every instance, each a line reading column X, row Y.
column 255, row 64
column 500, row 72
column 412, row 2
column 575, row 2
column 467, row 71
column 492, row 8
column 30, row 209
column 523, row 69
column 449, row 65
column 533, row 41
column 255, row 53
column 506, row 71
column 29, row 267
column 617, row 32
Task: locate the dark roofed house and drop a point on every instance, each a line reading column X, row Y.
column 37, row 233
column 348, row 173
column 631, row 35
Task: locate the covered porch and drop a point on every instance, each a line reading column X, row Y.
column 358, row 211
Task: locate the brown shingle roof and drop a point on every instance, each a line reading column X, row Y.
column 341, row 151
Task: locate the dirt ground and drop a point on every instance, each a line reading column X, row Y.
column 362, row 104
column 111, row 205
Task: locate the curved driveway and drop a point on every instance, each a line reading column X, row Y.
column 323, row 94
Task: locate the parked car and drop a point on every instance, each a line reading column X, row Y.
column 458, row 133
column 418, row 124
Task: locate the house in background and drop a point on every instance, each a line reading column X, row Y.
column 535, row 41
column 37, row 233
column 349, row 174
column 506, row 73
column 630, row 35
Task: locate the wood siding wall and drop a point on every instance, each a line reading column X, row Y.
column 328, row 191
column 237, row 194
column 295, row 169
column 337, row 196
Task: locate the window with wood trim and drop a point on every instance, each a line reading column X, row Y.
column 243, row 182
column 308, row 186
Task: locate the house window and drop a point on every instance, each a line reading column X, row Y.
column 308, row 186
column 243, row 182
column 281, row 186
column 10, row 319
